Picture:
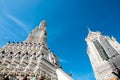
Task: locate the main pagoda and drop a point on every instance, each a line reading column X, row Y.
column 31, row 59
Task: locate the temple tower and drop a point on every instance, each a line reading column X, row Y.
column 104, row 55
column 31, row 58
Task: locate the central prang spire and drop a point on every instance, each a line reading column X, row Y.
column 31, row 59
column 38, row 35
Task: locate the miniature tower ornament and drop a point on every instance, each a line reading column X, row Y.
column 31, row 59
column 104, row 55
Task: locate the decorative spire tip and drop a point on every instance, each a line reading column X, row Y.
column 42, row 24
column 89, row 29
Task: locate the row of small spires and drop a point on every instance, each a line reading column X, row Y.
column 23, row 54
column 24, row 43
column 28, row 43
column 18, row 52
column 11, row 52
column 25, row 77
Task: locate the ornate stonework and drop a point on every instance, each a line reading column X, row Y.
column 31, row 57
column 104, row 54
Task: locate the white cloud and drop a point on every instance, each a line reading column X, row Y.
column 4, row 27
column 17, row 21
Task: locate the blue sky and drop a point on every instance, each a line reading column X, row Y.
column 67, row 22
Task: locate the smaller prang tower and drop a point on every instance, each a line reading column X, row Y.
column 104, row 55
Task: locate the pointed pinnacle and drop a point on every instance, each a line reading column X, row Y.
column 42, row 24
column 89, row 29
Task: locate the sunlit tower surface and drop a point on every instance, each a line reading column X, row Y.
column 104, row 55
column 31, row 58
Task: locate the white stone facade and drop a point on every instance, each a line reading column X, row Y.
column 104, row 55
column 31, row 57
